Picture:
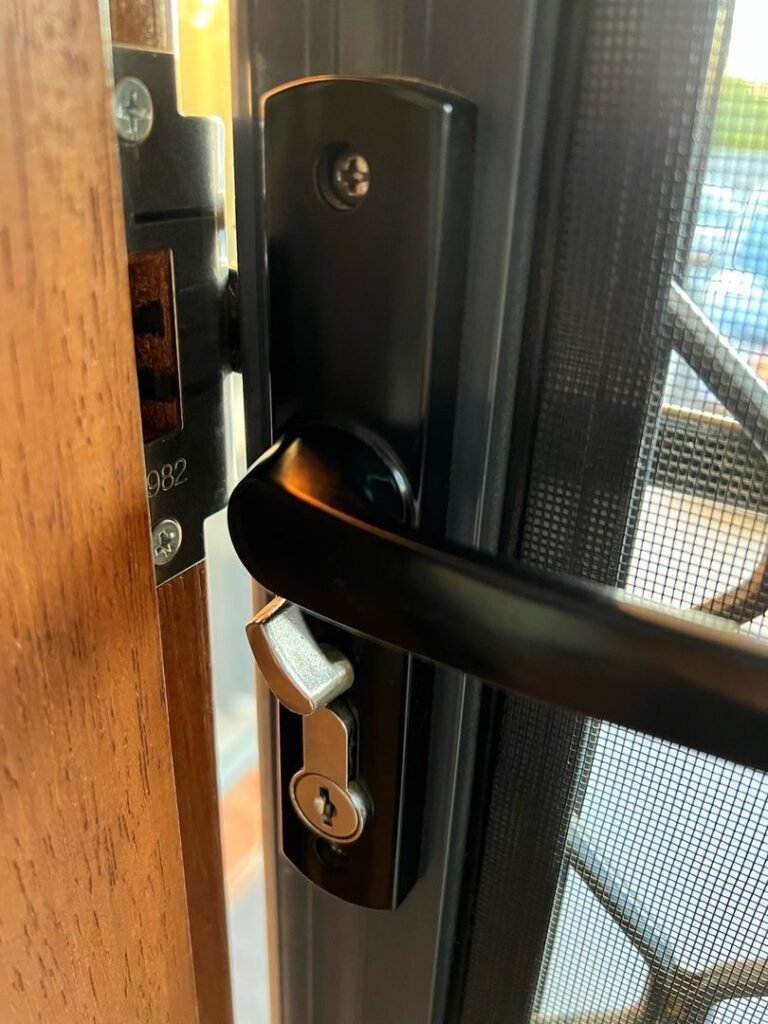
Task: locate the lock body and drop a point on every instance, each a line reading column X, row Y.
column 367, row 199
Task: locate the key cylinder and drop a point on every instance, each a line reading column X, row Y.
column 305, row 677
column 322, row 793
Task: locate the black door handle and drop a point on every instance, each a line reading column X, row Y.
column 316, row 521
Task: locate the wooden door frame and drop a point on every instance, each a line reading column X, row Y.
column 93, row 918
column 184, row 629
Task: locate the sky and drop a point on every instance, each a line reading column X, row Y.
column 748, row 52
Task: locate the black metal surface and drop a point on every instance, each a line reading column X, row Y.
column 549, row 638
column 510, row 893
column 365, row 319
column 359, row 298
column 172, row 200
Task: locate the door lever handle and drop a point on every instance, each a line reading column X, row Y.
column 304, row 524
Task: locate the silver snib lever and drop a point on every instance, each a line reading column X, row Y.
column 307, row 677
column 303, row 674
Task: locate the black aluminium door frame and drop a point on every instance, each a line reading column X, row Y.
column 396, row 969
column 597, row 366
column 336, row 962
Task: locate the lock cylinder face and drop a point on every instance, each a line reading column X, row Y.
column 329, row 803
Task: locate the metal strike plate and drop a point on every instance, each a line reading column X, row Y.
column 368, row 192
column 172, row 178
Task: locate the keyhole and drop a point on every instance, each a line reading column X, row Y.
column 325, row 806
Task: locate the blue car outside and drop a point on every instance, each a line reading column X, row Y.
column 715, row 216
column 736, row 299
column 727, row 277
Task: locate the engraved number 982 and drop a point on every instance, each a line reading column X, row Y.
column 168, row 476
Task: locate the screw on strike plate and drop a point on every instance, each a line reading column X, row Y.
column 133, row 110
column 166, row 540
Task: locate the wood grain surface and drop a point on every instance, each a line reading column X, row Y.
column 141, row 23
column 186, row 656
column 93, row 920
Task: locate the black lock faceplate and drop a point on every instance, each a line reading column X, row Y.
column 366, row 302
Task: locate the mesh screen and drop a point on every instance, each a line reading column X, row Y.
column 645, row 68
column 662, row 911
column 649, row 472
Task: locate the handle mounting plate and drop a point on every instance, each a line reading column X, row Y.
column 367, row 186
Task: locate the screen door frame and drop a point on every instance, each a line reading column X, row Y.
column 332, row 961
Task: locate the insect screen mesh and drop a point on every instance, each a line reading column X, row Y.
column 662, row 912
column 648, row 471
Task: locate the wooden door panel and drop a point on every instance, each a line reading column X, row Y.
column 93, row 917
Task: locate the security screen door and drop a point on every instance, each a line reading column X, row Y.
column 611, row 426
